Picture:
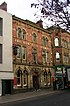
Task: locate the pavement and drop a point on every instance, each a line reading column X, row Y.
column 26, row 95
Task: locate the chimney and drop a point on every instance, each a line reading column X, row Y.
column 3, row 6
column 40, row 23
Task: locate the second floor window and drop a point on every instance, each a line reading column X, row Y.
column 34, row 38
column 44, row 41
column 23, row 34
column 19, row 32
column 56, row 42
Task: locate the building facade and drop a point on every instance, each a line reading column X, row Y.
column 61, row 53
column 6, row 74
column 32, row 55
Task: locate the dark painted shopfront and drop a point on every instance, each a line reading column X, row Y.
column 7, row 87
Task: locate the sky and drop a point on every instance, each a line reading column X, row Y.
column 21, row 8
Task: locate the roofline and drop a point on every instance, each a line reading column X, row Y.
column 30, row 23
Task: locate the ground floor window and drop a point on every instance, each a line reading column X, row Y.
column 25, row 78
column 19, row 77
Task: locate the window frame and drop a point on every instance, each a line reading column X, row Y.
column 24, row 52
column 56, row 41
column 19, row 77
column 18, row 50
column 23, row 34
column 1, row 26
column 1, row 52
column 34, row 38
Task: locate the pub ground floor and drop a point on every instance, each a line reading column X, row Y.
column 31, row 76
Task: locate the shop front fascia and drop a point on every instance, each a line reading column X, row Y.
column 33, row 72
column 60, row 75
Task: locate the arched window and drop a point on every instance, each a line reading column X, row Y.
column 45, row 75
column 23, row 34
column 44, row 41
column 19, row 78
column 25, row 78
column 34, row 38
column 56, row 41
column 19, row 32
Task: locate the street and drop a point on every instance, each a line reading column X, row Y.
column 57, row 99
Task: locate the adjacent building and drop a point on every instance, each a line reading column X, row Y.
column 6, row 73
column 61, row 52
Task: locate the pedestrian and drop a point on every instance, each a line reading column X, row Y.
column 54, row 83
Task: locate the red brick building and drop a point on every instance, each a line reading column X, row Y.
column 32, row 54
column 60, row 51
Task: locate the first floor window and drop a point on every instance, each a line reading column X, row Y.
column 57, row 56
column 43, row 57
column 23, row 53
column 18, row 51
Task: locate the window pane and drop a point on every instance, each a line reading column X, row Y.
column 56, row 42
column 18, row 51
column 57, row 55
column 0, row 53
column 18, row 77
column 23, row 34
column 34, row 38
column 24, row 52
column 19, row 33
column 0, row 26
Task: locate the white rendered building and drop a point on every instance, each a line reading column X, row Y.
column 6, row 73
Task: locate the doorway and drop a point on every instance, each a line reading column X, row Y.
column 35, row 80
column 7, row 87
